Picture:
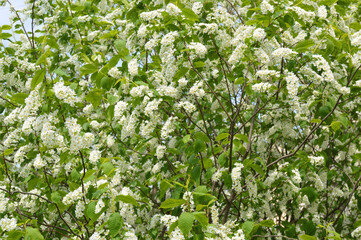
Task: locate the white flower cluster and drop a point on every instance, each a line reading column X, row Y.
column 218, row 174
column 99, row 206
column 133, row 67
column 197, row 7
column 209, row 28
column 289, row 39
column 237, row 54
column 187, row 106
column 292, row 84
column 142, row 31
column 94, row 156
column 242, row 33
column 168, row 91
column 78, row 142
column 236, row 177
column 65, row 93
column 262, row 56
column 189, row 204
column 168, row 127
column 266, row 74
column 266, row 7
column 196, row 90
column 49, row 137
column 327, row 74
column 130, row 235
column 356, row 39
column 199, row 49
column 33, row 102
column 119, row 109
column 152, row 43
column 322, row 12
column 173, row 9
column 39, row 162
column 303, row 14
column 239, row 235
column 148, row 16
column 261, row 87
column 259, row 34
column 312, row 74
column 296, row 177
column 96, row 236
column 182, row 82
column 8, row 224
column 151, row 107
column 160, row 151
column 114, row 72
column 75, row 195
column 356, row 233
column 169, row 38
column 168, row 220
column 139, row 91
column 283, row 53
column 316, row 160
column 79, row 209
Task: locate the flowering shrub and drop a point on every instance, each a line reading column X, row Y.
column 194, row 119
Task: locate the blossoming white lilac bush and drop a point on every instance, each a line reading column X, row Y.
column 196, row 119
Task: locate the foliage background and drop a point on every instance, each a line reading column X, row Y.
column 181, row 119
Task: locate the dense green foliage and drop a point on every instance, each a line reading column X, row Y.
column 181, row 119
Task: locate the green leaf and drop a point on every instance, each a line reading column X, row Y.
column 335, row 125
column 188, row 13
column 90, row 210
column 38, row 77
column 199, row 146
column 201, row 136
column 201, row 218
column 307, row 237
column 355, row 25
column 335, row 236
column 55, row 197
column 304, row 45
column 5, row 27
column 121, row 46
column 222, row 136
column 327, row 2
column 43, row 57
column 95, row 97
column 242, row 137
column 311, row 193
column 164, row 186
column 127, row 199
column 59, row 72
column 185, row 222
column 172, row 203
column 19, row 97
column 33, row 234
column 186, row 138
column 199, row 64
column 89, row 175
column 107, row 167
column 267, row 223
column 5, row 35
column 14, row 235
column 222, row 159
column 172, row 227
column 106, row 83
column 115, row 223
column 89, row 68
column 247, row 227
column 258, row 169
column 8, row 151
